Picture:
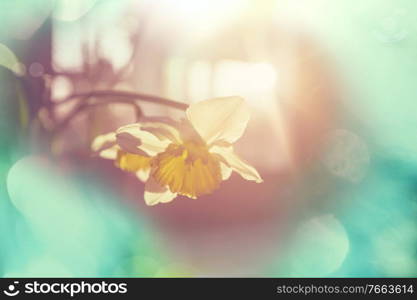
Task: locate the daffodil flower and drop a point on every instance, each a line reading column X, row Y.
column 190, row 158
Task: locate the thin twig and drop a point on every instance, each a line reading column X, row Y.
column 130, row 98
column 128, row 95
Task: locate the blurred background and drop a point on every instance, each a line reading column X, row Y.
column 331, row 86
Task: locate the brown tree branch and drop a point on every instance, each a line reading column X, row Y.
column 129, row 96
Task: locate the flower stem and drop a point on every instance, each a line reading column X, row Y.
column 120, row 97
column 129, row 96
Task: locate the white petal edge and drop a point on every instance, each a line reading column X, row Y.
column 236, row 163
column 133, row 139
column 105, row 145
column 154, row 193
column 226, row 171
column 110, row 153
column 103, row 141
column 143, row 175
column 162, row 130
column 219, row 119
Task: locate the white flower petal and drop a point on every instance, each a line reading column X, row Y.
column 143, row 175
column 237, row 164
column 110, row 153
column 226, row 171
column 133, row 139
column 154, row 193
column 105, row 145
column 103, row 141
column 219, row 119
column 162, row 131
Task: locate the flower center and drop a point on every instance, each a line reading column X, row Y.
column 188, row 169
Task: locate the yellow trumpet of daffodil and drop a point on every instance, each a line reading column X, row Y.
column 190, row 158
